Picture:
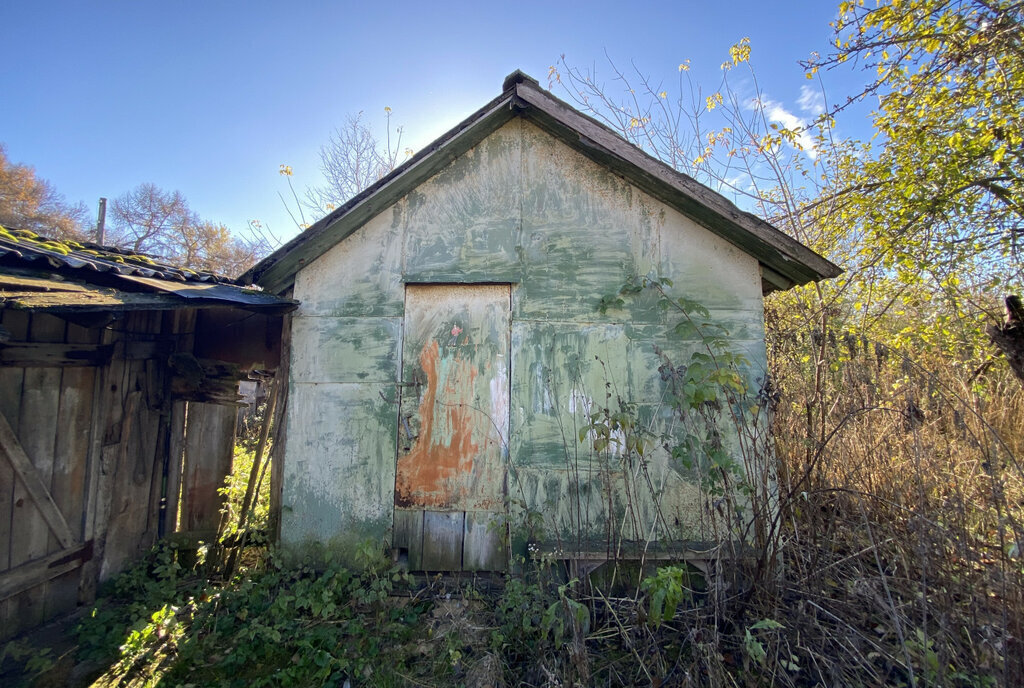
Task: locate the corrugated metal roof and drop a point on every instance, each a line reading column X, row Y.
column 39, row 273
column 58, row 253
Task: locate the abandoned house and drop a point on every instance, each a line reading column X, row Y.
column 117, row 395
column 448, row 352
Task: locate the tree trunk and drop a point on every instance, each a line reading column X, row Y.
column 1009, row 337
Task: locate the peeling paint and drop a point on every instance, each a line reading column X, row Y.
column 456, row 459
column 386, row 357
column 439, row 470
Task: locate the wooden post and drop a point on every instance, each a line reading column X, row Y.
column 101, row 221
column 280, row 437
column 93, row 529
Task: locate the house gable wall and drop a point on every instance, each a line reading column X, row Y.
column 522, row 208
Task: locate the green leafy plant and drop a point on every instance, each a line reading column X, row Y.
column 665, row 590
column 752, row 644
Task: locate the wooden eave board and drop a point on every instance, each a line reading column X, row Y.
column 54, row 294
column 785, row 256
column 771, row 247
column 79, row 301
column 231, row 295
column 113, row 300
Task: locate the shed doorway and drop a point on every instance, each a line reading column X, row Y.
column 450, row 478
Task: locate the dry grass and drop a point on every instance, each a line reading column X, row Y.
column 901, row 520
column 898, row 538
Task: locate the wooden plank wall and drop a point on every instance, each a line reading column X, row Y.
column 132, row 449
column 209, row 442
column 49, row 409
column 96, row 436
column 91, row 416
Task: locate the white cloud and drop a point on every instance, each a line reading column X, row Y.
column 811, row 101
column 739, row 182
column 778, row 114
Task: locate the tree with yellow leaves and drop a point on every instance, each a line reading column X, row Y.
column 30, row 202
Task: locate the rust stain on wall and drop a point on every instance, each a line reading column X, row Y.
column 439, row 470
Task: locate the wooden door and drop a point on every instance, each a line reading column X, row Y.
column 453, row 428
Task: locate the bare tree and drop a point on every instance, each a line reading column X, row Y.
column 211, row 246
column 148, row 219
column 30, row 202
column 353, row 159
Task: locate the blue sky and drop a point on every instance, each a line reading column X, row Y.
column 210, row 98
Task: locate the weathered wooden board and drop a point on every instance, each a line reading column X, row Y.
column 454, row 426
column 209, row 443
column 74, row 438
column 463, row 225
column 37, row 433
column 130, row 454
column 453, row 432
column 484, row 546
column 360, row 277
column 331, row 349
column 277, row 450
column 443, row 533
column 339, row 478
column 37, row 429
column 562, row 373
column 30, row 480
column 10, row 407
column 16, row 323
column 109, row 428
column 56, row 355
column 33, row 573
column 408, row 537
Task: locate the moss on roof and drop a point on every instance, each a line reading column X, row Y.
column 103, row 257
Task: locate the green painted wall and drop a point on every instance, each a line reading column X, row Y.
column 519, row 208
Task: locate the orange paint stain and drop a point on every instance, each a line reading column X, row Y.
column 439, row 469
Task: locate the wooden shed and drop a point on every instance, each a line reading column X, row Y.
column 448, row 347
column 116, row 398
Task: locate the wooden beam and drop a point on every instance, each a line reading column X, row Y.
column 277, row 449
column 203, row 380
column 39, row 571
column 45, row 355
column 10, row 447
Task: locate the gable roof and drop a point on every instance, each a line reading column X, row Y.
column 785, row 262
column 61, row 276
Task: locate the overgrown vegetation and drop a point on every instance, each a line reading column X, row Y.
column 890, row 555
column 890, row 552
